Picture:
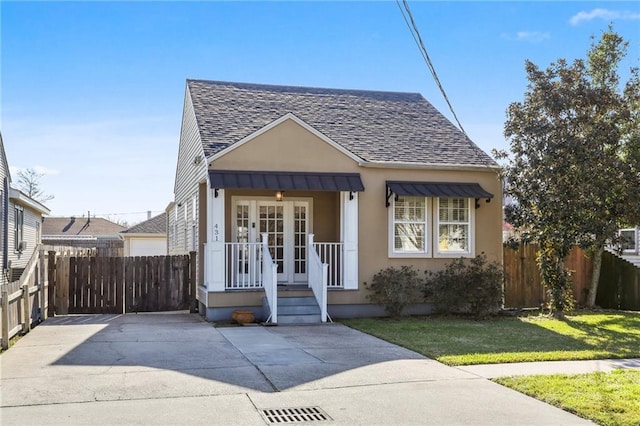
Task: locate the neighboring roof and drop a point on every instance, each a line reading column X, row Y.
column 286, row 181
column 375, row 126
column 72, row 226
column 155, row 225
column 20, row 197
column 439, row 189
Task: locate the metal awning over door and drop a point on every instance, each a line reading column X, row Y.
column 285, row 181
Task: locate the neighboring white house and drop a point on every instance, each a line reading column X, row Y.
column 21, row 230
column 148, row 238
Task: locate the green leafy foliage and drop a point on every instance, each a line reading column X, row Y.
column 573, row 164
column 395, row 289
column 473, row 287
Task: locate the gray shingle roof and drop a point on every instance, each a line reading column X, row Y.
column 66, row 226
column 375, row 126
column 155, row 225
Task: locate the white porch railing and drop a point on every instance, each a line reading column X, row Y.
column 242, row 265
column 630, row 240
column 270, row 281
column 318, row 276
column 332, row 254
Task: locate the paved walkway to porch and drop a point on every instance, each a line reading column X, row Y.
column 178, row 369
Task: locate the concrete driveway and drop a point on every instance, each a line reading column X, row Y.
column 178, row 369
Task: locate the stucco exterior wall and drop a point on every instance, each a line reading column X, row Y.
column 290, row 147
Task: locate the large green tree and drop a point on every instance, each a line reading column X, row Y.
column 572, row 168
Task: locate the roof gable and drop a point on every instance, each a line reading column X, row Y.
column 377, row 127
column 275, row 123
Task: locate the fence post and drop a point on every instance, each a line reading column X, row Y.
column 26, row 325
column 5, row 316
column 42, row 286
column 51, row 275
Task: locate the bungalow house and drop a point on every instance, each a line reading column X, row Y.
column 294, row 197
column 20, row 232
column 148, row 238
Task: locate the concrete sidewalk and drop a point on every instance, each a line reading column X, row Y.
column 491, row 371
column 178, row 369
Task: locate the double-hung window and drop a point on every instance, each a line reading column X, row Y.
column 431, row 227
column 410, row 226
column 454, row 226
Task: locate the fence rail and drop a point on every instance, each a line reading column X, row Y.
column 24, row 302
column 97, row 284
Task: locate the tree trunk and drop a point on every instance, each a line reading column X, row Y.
column 597, row 265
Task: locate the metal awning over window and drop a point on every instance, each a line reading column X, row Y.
column 285, row 181
column 437, row 189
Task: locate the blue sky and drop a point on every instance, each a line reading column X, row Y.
column 92, row 92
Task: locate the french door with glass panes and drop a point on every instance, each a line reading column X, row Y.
column 286, row 223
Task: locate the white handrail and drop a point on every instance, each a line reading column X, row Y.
column 270, row 280
column 243, row 271
column 318, row 275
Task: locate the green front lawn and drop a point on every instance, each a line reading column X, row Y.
column 610, row 399
column 460, row 341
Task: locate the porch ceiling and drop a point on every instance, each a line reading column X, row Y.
column 285, row 181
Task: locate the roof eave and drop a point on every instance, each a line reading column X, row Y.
column 24, row 199
column 431, row 166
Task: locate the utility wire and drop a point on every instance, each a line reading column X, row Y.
column 413, row 28
column 408, row 19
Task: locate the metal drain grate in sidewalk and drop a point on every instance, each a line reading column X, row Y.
column 295, row 415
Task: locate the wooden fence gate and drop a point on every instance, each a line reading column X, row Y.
column 99, row 285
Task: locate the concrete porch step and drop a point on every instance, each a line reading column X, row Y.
column 298, row 310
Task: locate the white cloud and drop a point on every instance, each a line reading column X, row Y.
column 604, row 14
column 528, row 36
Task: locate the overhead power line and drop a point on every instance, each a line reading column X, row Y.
column 408, row 19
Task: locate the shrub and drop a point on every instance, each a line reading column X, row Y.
column 395, row 289
column 474, row 287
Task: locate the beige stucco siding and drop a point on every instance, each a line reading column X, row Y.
column 290, row 147
column 286, row 147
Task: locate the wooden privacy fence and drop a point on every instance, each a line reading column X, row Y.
column 23, row 303
column 619, row 284
column 523, row 285
column 97, row 284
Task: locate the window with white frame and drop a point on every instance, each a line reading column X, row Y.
column 430, row 227
column 410, row 225
column 454, row 225
column 18, row 227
